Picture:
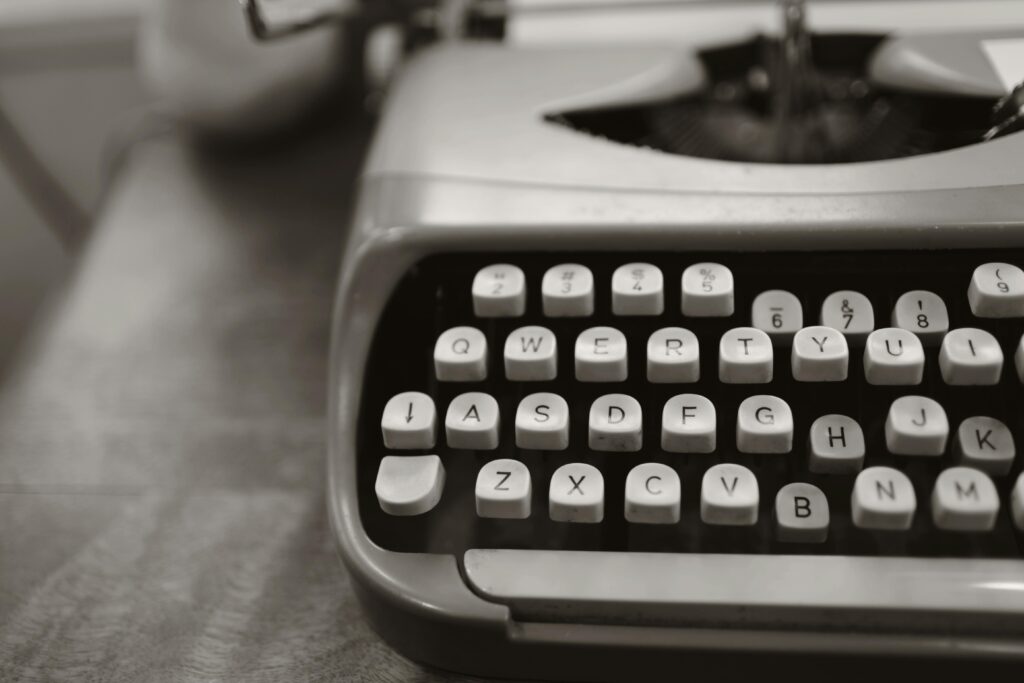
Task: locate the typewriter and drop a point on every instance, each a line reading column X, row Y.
column 681, row 339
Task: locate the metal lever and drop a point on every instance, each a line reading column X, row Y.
column 273, row 19
column 1008, row 114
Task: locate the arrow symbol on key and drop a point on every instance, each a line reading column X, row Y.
column 408, row 418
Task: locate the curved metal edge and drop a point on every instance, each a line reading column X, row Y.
column 421, row 604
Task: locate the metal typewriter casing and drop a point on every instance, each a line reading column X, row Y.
column 464, row 161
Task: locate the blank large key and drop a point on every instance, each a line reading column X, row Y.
column 409, row 484
column 997, row 291
column 916, row 425
column 503, row 490
column 893, row 356
column 499, row 291
column 576, row 494
column 764, row 424
column 970, row 356
column 883, row 498
column 985, row 443
column 616, row 424
column 409, row 421
column 801, row 514
column 652, row 494
column 964, row 499
column 729, row 496
column 923, row 313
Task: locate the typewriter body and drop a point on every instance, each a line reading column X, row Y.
column 634, row 377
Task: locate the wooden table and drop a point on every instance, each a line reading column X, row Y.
column 162, row 437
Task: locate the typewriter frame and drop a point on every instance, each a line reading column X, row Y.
column 422, row 603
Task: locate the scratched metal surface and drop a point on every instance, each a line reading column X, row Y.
column 162, row 512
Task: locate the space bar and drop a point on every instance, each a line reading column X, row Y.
column 777, row 590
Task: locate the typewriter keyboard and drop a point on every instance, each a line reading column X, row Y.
column 857, row 403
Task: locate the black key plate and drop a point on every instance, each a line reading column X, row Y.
column 436, row 295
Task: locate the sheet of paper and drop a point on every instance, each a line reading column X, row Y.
column 564, row 22
column 1007, row 58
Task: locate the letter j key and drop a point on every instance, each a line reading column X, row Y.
column 916, row 425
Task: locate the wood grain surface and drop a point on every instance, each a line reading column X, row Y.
column 162, row 435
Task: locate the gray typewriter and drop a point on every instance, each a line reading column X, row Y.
column 682, row 339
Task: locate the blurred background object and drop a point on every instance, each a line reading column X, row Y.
column 82, row 81
column 200, row 60
column 67, row 80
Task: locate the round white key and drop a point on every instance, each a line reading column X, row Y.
column 745, row 356
column 638, row 289
column 707, row 290
column 764, row 424
column 985, row 443
column 970, row 356
column 499, row 291
column 653, row 494
column 923, row 313
column 409, row 421
column 531, row 355
column 460, row 355
column 616, row 424
column 472, row 421
column 729, row 496
column 801, row 514
column 893, row 356
column 576, row 494
column 916, row 425
column 837, row 445
column 777, row 312
column 409, row 484
column 567, row 291
column 820, row 354
column 997, row 291
column 964, row 499
column 542, row 423
column 601, row 355
column 688, row 424
column 503, row 490
column 1017, row 502
column 883, row 498
column 849, row 312
column 673, row 356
